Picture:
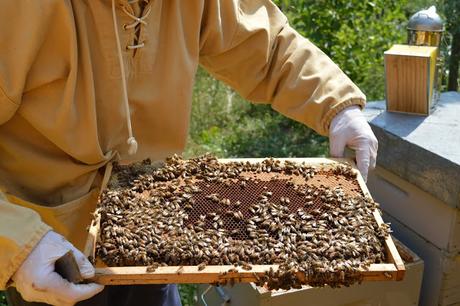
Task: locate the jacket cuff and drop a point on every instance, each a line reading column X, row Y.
column 18, row 258
column 326, row 121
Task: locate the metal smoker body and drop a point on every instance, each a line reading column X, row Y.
column 425, row 28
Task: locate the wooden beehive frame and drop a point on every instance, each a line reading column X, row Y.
column 393, row 270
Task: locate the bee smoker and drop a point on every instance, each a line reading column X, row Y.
column 412, row 71
column 425, row 28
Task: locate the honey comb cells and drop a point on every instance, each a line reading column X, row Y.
column 247, row 196
column 313, row 220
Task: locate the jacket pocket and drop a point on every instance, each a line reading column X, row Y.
column 69, row 219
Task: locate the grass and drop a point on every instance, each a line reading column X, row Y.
column 188, row 294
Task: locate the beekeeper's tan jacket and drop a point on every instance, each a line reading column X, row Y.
column 62, row 116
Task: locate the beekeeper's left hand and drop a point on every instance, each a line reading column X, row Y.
column 350, row 128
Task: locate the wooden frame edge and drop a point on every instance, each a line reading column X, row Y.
column 389, row 243
column 93, row 230
column 213, row 274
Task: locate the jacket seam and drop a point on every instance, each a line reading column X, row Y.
column 270, row 57
column 7, row 97
column 238, row 25
column 232, row 39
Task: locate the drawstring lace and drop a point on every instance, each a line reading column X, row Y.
column 137, row 20
column 131, row 141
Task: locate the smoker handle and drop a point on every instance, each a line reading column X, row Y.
column 220, row 291
column 67, row 267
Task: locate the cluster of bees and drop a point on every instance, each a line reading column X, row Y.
column 200, row 212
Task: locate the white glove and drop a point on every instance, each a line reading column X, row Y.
column 349, row 127
column 36, row 280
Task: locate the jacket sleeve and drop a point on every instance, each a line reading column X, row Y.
column 249, row 45
column 22, row 24
column 20, row 230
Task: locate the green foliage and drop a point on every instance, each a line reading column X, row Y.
column 414, row 6
column 2, row 299
column 452, row 12
column 225, row 124
column 354, row 33
column 188, row 294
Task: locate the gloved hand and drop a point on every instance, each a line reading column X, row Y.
column 349, row 127
column 36, row 280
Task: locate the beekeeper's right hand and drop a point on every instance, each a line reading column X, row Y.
column 37, row 281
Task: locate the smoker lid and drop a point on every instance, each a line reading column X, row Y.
column 426, row 20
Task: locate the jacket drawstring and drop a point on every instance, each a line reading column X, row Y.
column 131, row 141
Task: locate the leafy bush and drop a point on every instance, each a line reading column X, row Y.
column 452, row 12
column 225, row 124
column 354, row 33
column 188, row 294
column 2, row 299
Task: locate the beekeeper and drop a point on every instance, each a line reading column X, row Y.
column 87, row 82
